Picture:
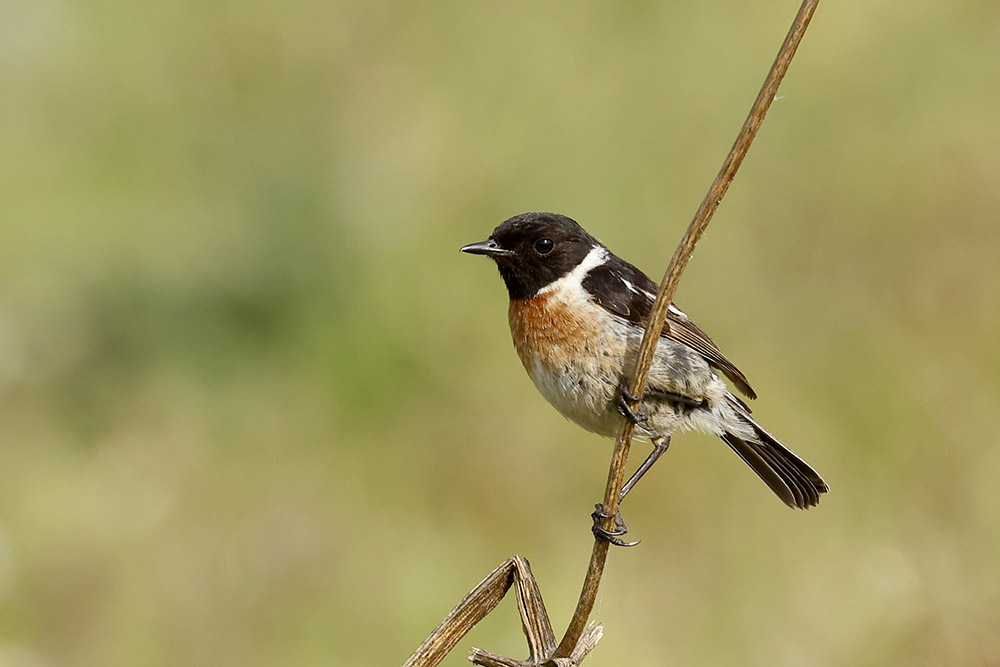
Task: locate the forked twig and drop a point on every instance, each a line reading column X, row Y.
column 481, row 600
column 658, row 316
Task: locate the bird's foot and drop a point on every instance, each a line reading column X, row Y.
column 625, row 401
column 612, row 535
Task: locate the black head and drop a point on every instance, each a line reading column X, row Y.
column 534, row 249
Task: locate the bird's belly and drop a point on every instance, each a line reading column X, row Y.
column 580, row 395
column 574, row 354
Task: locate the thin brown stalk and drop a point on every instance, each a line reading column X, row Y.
column 657, row 318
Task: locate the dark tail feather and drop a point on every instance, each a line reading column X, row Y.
column 791, row 478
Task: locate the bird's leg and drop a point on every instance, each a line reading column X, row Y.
column 660, row 445
column 614, row 534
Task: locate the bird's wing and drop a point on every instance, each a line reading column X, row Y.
column 627, row 292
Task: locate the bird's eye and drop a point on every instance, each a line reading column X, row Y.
column 544, row 246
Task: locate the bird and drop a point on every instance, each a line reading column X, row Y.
column 577, row 313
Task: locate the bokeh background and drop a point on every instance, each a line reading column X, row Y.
column 257, row 409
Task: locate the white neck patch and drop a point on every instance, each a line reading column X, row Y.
column 572, row 282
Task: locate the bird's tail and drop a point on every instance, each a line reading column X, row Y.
column 791, row 478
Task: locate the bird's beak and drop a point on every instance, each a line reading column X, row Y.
column 487, row 247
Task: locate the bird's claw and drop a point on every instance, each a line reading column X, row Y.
column 612, row 535
column 625, row 401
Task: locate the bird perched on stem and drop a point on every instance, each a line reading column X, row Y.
column 577, row 313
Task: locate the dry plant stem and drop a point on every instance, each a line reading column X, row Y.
column 588, row 642
column 516, row 572
column 664, row 296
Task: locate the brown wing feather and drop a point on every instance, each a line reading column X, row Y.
column 627, row 292
column 685, row 330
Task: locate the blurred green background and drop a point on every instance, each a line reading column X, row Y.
column 257, row 409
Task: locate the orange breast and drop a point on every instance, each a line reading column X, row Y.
column 546, row 332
